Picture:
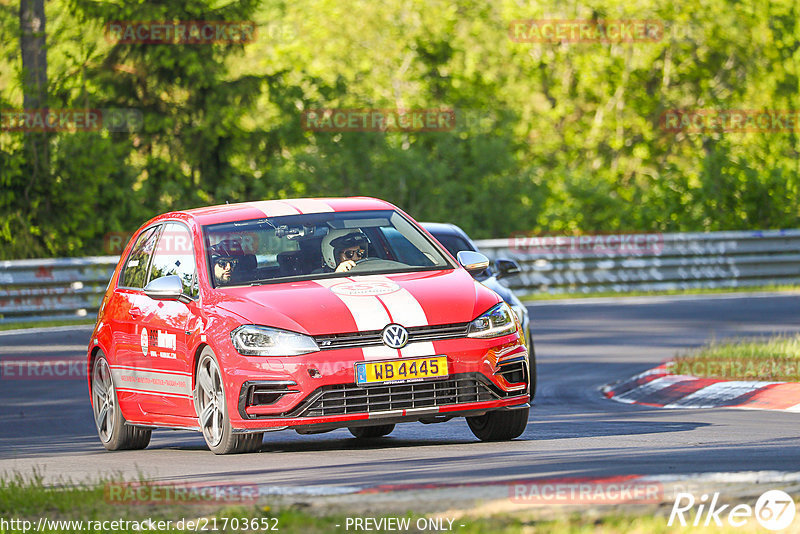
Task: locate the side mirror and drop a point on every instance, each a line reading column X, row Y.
column 506, row 267
column 473, row 262
column 166, row 288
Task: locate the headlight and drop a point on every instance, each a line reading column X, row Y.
column 496, row 322
column 252, row 340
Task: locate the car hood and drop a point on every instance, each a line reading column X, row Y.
column 498, row 288
column 360, row 303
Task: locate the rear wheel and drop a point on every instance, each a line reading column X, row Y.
column 500, row 425
column 114, row 433
column 369, row 432
column 213, row 414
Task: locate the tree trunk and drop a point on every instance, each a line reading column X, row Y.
column 34, row 52
column 34, row 86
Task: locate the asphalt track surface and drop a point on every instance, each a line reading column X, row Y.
column 573, row 431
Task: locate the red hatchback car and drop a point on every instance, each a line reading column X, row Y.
column 310, row 314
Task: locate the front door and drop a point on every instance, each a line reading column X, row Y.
column 126, row 311
column 168, row 369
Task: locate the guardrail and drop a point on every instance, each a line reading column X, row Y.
column 48, row 289
column 651, row 262
column 39, row 290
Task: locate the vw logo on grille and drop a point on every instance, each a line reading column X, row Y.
column 395, row 336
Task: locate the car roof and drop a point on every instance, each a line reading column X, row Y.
column 275, row 208
column 444, row 228
column 447, row 229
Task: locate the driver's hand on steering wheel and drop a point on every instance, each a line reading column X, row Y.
column 345, row 266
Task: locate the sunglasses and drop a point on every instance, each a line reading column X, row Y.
column 349, row 254
column 224, row 263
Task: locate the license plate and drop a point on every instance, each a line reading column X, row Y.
column 399, row 371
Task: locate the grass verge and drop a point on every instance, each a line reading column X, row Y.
column 24, row 500
column 771, row 359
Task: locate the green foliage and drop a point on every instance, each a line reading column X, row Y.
column 561, row 138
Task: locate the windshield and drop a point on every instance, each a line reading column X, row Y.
column 309, row 246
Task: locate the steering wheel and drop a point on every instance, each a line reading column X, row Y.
column 378, row 263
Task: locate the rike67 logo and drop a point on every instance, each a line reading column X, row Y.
column 774, row 510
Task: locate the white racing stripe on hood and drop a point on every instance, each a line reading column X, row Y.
column 405, row 310
column 369, row 314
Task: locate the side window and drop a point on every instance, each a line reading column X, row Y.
column 135, row 270
column 175, row 255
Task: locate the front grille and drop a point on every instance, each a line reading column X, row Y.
column 343, row 399
column 373, row 337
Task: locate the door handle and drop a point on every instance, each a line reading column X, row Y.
column 135, row 312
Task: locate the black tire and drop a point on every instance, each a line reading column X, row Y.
column 212, row 412
column 252, row 442
column 499, row 425
column 532, row 366
column 371, row 432
column 114, row 433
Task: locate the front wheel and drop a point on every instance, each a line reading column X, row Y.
column 112, row 429
column 212, row 412
column 531, row 367
column 500, row 425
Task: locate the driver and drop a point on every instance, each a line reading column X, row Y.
column 224, row 260
column 341, row 249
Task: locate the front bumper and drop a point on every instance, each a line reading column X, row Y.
column 424, row 415
column 317, row 392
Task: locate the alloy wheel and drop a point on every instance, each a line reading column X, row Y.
column 104, row 400
column 211, row 400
